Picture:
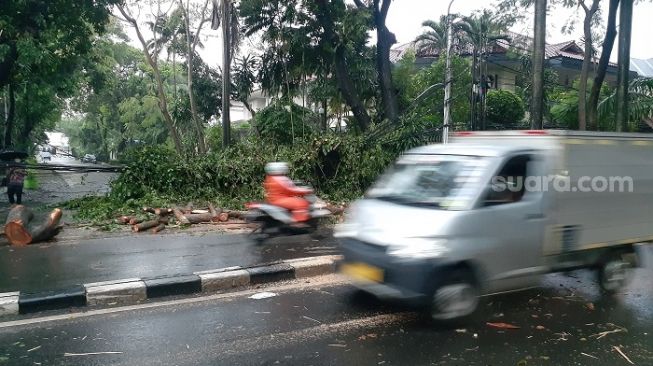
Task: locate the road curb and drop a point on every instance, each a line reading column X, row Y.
column 135, row 290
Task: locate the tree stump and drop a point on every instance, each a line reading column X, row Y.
column 20, row 229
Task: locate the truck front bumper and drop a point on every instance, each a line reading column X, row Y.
column 373, row 270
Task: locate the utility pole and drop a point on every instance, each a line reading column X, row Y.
column 623, row 67
column 447, row 80
column 537, row 102
column 226, row 72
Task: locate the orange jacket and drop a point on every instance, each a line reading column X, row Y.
column 278, row 186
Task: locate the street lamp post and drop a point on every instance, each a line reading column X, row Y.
column 447, row 86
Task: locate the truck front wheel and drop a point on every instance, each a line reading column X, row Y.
column 456, row 298
column 614, row 272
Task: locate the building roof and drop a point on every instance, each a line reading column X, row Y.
column 515, row 42
column 642, row 67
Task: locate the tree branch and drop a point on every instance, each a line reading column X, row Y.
column 199, row 27
column 385, row 6
column 360, row 4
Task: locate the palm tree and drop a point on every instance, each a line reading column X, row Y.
column 482, row 30
column 434, row 40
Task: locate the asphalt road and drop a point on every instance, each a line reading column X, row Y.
column 49, row 266
column 60, row 186
column 327, row 322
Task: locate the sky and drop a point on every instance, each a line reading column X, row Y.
column 406, row 16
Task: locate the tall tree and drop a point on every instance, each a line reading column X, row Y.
column 226, row 15
column 152, row 61
column 43, row 43
column 385, row 39
column 191, row 45
column 539, row 42
column 625, row 34
column 345, row 83
column 590, row 13
column 601, row 69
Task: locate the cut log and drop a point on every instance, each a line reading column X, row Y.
column 199, row 218
column 16, row 226
column 148, row 210
column 20, row 230
column 237, row 214
column 162, row 211
column 163, row 220
column 222, row 217
column 48, row 229
column 181, row 219
column 335, row 210
column 134, row 221
column 158, row 228
column 125, row 219
column 213, row 211
column 145, row 225
column 199, row 211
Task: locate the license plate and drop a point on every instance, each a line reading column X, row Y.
column 362, row 271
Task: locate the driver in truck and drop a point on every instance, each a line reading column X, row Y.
column 281, row 191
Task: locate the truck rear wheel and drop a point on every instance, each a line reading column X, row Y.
column 614, row 272
column 455, row 299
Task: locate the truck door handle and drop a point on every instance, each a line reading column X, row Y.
column 534, row 216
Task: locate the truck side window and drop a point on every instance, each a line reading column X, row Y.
column 509, row 185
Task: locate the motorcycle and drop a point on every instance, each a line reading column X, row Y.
column 277, row 221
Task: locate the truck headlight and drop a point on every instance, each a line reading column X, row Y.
column 418, row 248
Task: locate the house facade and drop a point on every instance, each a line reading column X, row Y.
column 504, row 64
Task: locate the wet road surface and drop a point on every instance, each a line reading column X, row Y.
column 43, row 267
column 327, row 322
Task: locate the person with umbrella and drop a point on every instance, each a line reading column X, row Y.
column 15, row 176
column 15, row 181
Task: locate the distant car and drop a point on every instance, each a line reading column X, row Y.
column 45, row 156
column 89, row 158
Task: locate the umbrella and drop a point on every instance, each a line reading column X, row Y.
column 12, row 154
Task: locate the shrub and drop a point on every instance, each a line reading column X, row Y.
column 504, row 107
column 284, row 122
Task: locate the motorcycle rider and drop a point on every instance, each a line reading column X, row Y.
column 281, row 191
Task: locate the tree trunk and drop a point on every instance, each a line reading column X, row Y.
column 249, row 108
column 11, row 115
column 537, row 103
column 20, row 229
column 474, row 90
column 587, row 60
column 199, row 127
column 625, row 33
column 385, row 40
column 606, row 52
column 163, row 104
column 485, row 89
column 226, row 72
column 343, row 78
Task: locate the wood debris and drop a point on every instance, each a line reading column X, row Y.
column 623, row 354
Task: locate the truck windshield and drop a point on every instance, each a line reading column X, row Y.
column 437, row 181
